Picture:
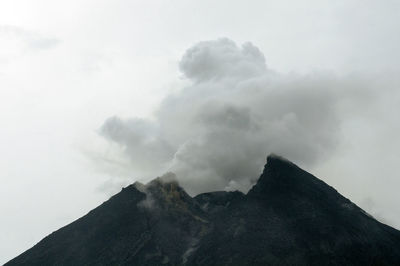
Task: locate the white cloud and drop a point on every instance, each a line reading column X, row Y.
column 15, row 41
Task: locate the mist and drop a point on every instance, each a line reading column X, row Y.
column 66, row 68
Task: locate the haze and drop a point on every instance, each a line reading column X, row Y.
column 95, row 95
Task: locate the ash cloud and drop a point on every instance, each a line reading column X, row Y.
column 216, row 132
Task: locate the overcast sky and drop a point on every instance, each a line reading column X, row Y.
column 87, row 86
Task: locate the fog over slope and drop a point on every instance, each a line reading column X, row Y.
column 215, row 132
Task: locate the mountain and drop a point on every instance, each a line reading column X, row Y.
column 289, row 217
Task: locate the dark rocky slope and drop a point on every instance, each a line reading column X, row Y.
column 289, row 217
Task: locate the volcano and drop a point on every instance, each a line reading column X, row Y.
column 289, row 217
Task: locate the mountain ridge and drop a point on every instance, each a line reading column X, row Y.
column 289, row 217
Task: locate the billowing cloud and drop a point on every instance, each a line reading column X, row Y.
column 216, row 132
column 222, row 59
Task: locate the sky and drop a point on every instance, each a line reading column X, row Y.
column 95, row 95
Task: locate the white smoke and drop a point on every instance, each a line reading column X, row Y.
column 215, row 133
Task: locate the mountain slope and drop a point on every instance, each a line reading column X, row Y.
column 288, row 218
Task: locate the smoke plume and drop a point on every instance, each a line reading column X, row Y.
column 215, row 133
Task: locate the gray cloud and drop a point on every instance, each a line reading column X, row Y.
column 215, row 133
column 141, row 139
column 223, row 59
